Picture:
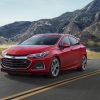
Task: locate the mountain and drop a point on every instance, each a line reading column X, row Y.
column 84, row 23
column 13, row 29
column 94, row 30
column 3, row 40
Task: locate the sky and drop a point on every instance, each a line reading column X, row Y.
column 31, row 10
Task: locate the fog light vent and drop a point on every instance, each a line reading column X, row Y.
column 39, row 65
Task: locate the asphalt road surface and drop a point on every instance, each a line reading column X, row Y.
column 70, row 85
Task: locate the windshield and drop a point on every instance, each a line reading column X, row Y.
column 41, row 40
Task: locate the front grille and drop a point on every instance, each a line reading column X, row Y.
column 14, row 55
column 15, row 63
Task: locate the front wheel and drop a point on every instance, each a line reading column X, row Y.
column 54, row 70
column 83, row 64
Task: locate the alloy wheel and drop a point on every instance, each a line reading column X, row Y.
column 55, row 67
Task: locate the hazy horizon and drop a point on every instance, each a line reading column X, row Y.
column 32, row 10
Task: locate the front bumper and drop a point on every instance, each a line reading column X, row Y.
column 31, row 68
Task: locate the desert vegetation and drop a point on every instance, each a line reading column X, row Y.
column 93, row 54
column 4, row 46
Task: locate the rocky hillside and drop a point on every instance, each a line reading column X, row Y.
column 13, row 29
column 3, row 40
column 84, row 23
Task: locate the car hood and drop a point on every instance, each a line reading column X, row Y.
column 27, row 49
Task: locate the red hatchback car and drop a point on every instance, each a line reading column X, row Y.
column 45, row 53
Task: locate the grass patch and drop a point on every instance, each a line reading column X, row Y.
column 4, row 46
column 93, row 55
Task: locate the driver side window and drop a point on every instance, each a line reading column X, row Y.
column 74, row 41
column 65, row 39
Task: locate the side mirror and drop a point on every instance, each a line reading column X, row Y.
column 65, row 45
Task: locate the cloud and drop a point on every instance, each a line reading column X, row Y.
column 14, row 10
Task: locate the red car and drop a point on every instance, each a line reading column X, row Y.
column 45, row 53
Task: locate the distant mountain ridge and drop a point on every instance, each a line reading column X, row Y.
column 84, row 22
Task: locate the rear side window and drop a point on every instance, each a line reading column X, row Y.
column 65, row 39
column 73, row 41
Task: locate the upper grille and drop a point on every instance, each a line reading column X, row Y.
column 15, row 63
column 14, row 55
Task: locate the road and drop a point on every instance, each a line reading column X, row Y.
column 69, row 85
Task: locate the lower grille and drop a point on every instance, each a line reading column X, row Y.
column 15, row 63
column 39, row 65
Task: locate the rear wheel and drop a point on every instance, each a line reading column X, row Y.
column 83, row 64
column 54, row 70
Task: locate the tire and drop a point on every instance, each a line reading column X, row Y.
column 54, row 69
column 83, row 64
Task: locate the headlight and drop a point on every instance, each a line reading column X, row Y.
column 37, row 55
column 3, row 53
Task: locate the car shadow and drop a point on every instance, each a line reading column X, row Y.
column 39, row 80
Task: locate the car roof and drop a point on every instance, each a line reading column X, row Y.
column 58, row 34
column 46, row 34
